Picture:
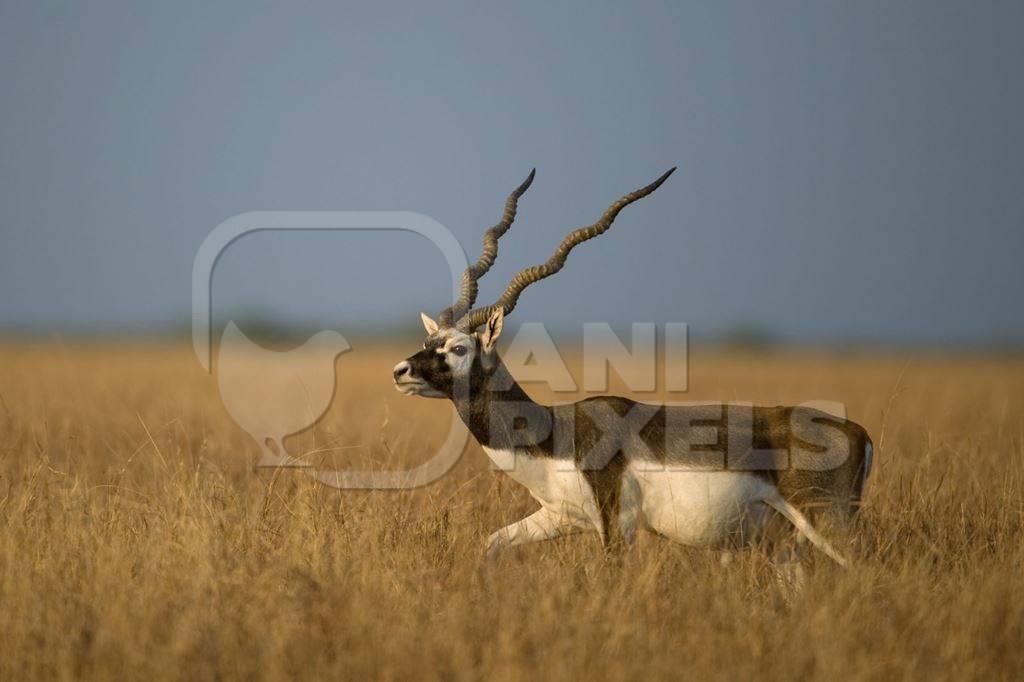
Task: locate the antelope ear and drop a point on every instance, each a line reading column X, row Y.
column 428, row 323
column 492, row 330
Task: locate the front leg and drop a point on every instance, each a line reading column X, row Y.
column 538, row 526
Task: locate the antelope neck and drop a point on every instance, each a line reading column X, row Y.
column 500, row 414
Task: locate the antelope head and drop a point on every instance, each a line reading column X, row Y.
column 460, row 348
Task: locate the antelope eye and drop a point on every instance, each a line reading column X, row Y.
column 459, row 350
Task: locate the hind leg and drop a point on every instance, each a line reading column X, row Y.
column 800, row 522
column 789, row 570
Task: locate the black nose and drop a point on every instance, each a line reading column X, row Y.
column 401, row 370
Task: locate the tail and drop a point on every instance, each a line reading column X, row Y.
column 793, row 515
column 860, row 476
column 869, row 451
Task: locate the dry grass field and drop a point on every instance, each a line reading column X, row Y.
column 138, row 541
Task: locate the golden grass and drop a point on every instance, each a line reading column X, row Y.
column 136, row 539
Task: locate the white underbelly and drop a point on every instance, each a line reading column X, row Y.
column 556, row 484
column 700, row 508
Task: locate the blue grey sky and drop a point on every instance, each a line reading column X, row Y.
column 846, row 170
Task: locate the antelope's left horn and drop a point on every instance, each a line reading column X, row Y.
column 467, row 295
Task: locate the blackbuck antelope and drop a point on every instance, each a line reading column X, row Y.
column 702, row 475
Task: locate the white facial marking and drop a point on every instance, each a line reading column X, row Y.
column 459, row 350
